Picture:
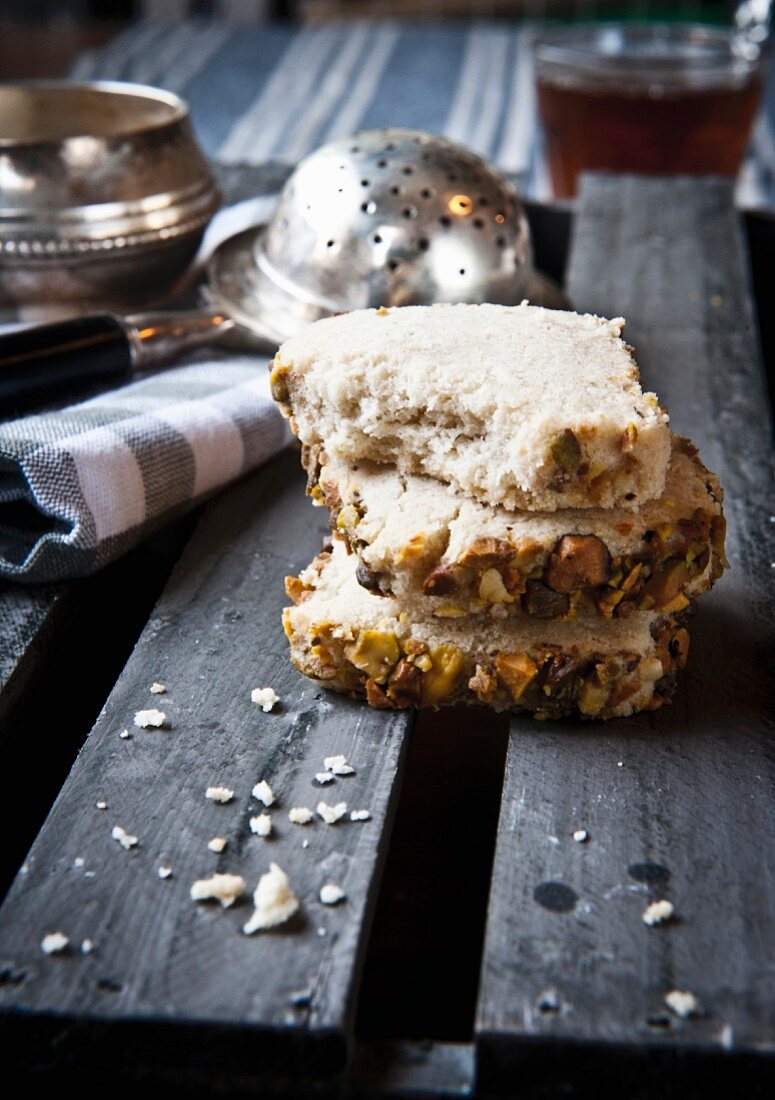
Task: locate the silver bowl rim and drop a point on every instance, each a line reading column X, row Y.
column 113, row 87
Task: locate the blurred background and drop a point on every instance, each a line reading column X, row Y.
column 43, row 37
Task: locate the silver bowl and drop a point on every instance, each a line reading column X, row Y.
column 104, row 193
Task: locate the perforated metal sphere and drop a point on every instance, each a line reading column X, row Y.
column 389, row 217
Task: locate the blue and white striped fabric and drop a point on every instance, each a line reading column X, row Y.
column 274, row 92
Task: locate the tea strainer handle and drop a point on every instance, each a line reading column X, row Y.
column 42, row 363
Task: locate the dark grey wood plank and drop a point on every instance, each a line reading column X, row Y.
column 678, row 804
column 28, row 618
column 163, row 966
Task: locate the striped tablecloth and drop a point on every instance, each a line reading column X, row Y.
column 273, row 92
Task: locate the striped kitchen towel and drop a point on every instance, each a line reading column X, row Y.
column 80, row 486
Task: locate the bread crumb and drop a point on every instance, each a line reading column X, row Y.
column 217, row 843
column 274, row 901
column 158, row 689
column 305, row 843
column 261, row 824
column 658, row 912
column 54, row 943
column 331, row 894
column 360, row 815
column 332, row 814
column 150, row 719
column 682, row 1003
column 101, row 804
column 264, row 793
column 265, row 697
column 123, row 837
column 79, row 861
column 164, row 872
column 223, row 888
column 322, row 932
column 338, row 765
column 324, row 777
column 125, row 735
column 300, row 815
column 219, row 794
column 87, row 946
column 581, row 836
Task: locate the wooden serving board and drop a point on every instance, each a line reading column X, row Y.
column 571, row 992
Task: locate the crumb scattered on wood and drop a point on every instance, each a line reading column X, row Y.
column 266, row 698
column 219, row 794
column 150, row 719
column 87, row 946
column 164, row 872
column 274, row 901
column 217, row 843
column 300, row 815
column 264, row 793
column 331, row 814
column 324, row 777
column 330, row 894
column 360, row 815
column 101, row 804
column 338, row 765
column 581, row 836
column 125, row 839
column 54, row 943
column 158, row 689
column 682, row 1003
column 261, row 824
column 658, row 912
column 223, row 888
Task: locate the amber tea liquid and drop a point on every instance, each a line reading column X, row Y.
column 697, row 133
column 670, row 104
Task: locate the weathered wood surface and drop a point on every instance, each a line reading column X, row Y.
column 28, row 617
column 678, row 805
column 163, row 966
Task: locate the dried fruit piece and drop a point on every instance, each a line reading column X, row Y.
column 444, row 580
column 376, row 652
column 578, row 561
column 517, row 672
column 679, row 647
column 278, row 382
column 492, row 588
column 484, row 683
column 487, row 551
column 593, row 697
column 543, row 602
column 445, row 674
column 668, row 582
column 372, row 582
column 566, row 452
column 405, row 684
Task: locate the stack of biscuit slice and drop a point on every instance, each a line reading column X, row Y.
column 513, row 522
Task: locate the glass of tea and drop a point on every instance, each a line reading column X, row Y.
column 661, row 99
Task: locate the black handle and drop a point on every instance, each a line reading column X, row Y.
column 38, row 364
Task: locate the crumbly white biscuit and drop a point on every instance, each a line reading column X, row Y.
column 414, row 535
column 400, row 655
column 514, row 405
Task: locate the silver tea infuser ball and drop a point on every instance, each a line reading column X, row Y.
column 384, row 217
